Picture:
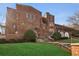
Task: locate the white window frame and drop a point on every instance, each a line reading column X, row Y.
column 30, row 16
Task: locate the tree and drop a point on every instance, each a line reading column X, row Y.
column 30, row 36
column 74, row 20
column 56, row 36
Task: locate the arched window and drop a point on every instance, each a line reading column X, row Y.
column 15, row 28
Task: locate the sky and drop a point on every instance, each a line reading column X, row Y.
column 61, row 11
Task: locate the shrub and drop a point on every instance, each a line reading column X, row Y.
column 15, row 41
column 56, row 36
column 3, row 41
column 19, row 40
column 64, row 38
column 29, row 36
column 11, row 41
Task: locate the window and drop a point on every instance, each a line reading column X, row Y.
column 29, row 16
column 14, row 27
column 11, row 15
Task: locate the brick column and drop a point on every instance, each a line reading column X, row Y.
column 75, row 49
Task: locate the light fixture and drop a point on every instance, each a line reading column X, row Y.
column 16, row 32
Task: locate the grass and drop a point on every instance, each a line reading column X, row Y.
column 74, row 40
column 65, row 41
column 32, row 49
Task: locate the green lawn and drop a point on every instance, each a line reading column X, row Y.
column 74, row 40
column 64, row 41
column 32, row 49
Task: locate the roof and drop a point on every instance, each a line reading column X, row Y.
column 65, row 27
column 28, row 6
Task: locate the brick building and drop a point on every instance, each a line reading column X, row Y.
column 75, row 49
column 26, row 17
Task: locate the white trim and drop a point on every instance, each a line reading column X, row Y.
column 75, row 44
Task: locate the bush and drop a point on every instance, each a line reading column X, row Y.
column 29, row 36
column 56, row 36
column 64, row 38
column 15, row 41
column 11, row 40
column 3, row 41
column 19, row 40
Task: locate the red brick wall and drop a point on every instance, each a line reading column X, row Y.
column 10, row 20
column 45, row 24
column 27, row 9
column 21, row 21
column 51, row 23
column 75, row 50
